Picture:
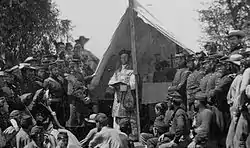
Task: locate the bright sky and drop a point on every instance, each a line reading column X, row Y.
column 98, row 19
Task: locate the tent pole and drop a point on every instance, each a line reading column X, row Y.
column 133, row 49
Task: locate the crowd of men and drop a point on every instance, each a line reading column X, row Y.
column 207, row 103
column 41, row 97
column 44, row 102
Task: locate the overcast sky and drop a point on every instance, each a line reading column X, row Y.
column 98, row 19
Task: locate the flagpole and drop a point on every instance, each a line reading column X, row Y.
column 133, row 49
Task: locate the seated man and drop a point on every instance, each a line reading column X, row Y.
column 107, row 137
column 159, row 127
column 178, row 134
column 92, row 132
column 203, row 121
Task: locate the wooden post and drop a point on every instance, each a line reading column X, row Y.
column 133, row 50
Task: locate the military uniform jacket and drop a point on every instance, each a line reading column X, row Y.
column 213, row 81
column 179, row 126
column 219, row 93
column 204, row 82
column 203, row 124
column 193, row 83
column 180, row 81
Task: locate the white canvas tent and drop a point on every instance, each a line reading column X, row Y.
column 140, row 32
column 150, row 38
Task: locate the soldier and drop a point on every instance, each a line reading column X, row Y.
column 207, row 69
column 214, row 78
column 60, row 47
column 219, row 94
column 61, row 66
column 29, row 84
column 69, row 52
column 203, row 122
column 241, row 137
column 232, row 99
column 180, row 79
column 235, row 40
column 58, row 100
column 78, row 96
column 178, row 134
column 42, row 74
column 193, row 83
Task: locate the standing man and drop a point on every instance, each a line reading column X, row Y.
column 232, row 99
column 235, row 40
column 56, row 88
column 123, row 83
column 78, row 96
column 60, row 47
column 193, row 83
column 180, row 80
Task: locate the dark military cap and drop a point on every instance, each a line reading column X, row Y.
column 69, row 45
column 128, row 52
column 83, row 38
column 200, row 96
column 175, row 96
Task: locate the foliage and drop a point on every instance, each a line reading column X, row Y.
column 28, row 27
column 222, row 16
